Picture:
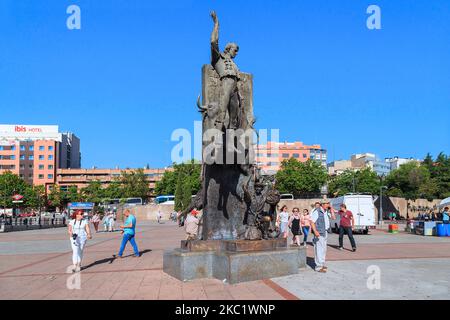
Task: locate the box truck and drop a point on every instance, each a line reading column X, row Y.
column 362, row 208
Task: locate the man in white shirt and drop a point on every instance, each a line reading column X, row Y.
column 320, row 224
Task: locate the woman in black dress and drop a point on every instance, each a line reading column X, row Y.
column 294, row 224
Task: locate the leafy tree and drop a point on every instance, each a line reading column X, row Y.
column 361, row 181
column 11, row 184
column 55, row 197
column 135, row 184
column 440, row 172
column 114, row 190
column 167, row 184
column 93, row 192
column 73, row 195
column 187, row 194
column 35, row 197
column 179, row 192
column 412, row 179
column 191, row 171
column 301, row 178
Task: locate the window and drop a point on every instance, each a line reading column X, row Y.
column 50, row 176
column 22, row 167
column 41, row 176
column 50, row 157
column 31, row 157
column 22, row 157
column 41, row 148
column 22, row 148
column 296, row 155
column 30, row 166
column 13, row 148
column 285, row 155
column 30, row 175
column 41, row 157
column 13, row 157
column 1, row 148
column 41, row 167
column 305, row 156
column 21, row 175
column 50, row 148
column 31, row 148
column 50, row 167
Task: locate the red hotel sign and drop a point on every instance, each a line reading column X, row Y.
column 25, row 129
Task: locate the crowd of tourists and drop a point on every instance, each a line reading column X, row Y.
column 317, row 223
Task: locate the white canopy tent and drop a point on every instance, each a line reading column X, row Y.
column 445, row 202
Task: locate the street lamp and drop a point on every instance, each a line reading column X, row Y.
column 380, row 211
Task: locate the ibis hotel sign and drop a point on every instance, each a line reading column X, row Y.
column 26, row 129
column 20, row 131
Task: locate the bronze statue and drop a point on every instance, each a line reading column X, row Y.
column 222, row 62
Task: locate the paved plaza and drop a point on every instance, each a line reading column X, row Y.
column 33, row 265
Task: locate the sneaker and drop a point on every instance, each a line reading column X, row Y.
column 322, row 270
column 74, row 268
column 341, row 248
column 305, row 244
column 78, row 269
column 354, row 249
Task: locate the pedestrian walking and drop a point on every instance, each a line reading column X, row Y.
column 191, row 225
column 158, row 216
column 346, row 225
column 446, row 216
column 105, row 222
column 305, row 222
column 294, row 225
column 79, row 232
column 96, row 221
column 111, row 223
column 283, row 220
column 320, row 225
column 129, row 233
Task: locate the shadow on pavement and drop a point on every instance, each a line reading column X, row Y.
column 310, row 262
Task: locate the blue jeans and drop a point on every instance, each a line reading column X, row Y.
column 125, row 239
column 305, row 233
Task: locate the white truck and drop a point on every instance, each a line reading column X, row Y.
column 362, row 208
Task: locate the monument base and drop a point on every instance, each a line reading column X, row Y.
column 234, row 260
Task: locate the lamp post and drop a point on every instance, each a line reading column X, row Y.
column 380, row 211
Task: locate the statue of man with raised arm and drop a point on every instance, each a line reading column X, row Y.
column 229, row 75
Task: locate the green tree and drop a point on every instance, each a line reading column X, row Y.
column 135, row 184
column 187, row 194
column 35, row 197
column 55, row 197
column 412, row 179
column 114, row 190
column 440, row 172
column 93, row 192
column 360, row 181
column 301, row 178
column 179, row 192
column 191, row 171
column 73, row 195
column 11, row 184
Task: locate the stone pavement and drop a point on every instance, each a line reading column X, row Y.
column 33, row 265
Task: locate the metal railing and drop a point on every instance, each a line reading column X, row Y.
column 24, row 223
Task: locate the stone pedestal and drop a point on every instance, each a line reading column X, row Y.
column 234, row 260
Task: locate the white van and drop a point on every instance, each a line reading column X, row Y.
column 362, row 208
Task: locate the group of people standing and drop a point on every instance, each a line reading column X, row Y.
column 79, row 232
column 318, row 223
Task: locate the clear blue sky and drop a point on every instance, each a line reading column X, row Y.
column 131, row 75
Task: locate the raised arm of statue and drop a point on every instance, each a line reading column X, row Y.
column 215, row 51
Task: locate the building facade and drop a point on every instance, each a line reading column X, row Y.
column 80, row 178
column 270, row 155
column 396, row 162
column 35, row 152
